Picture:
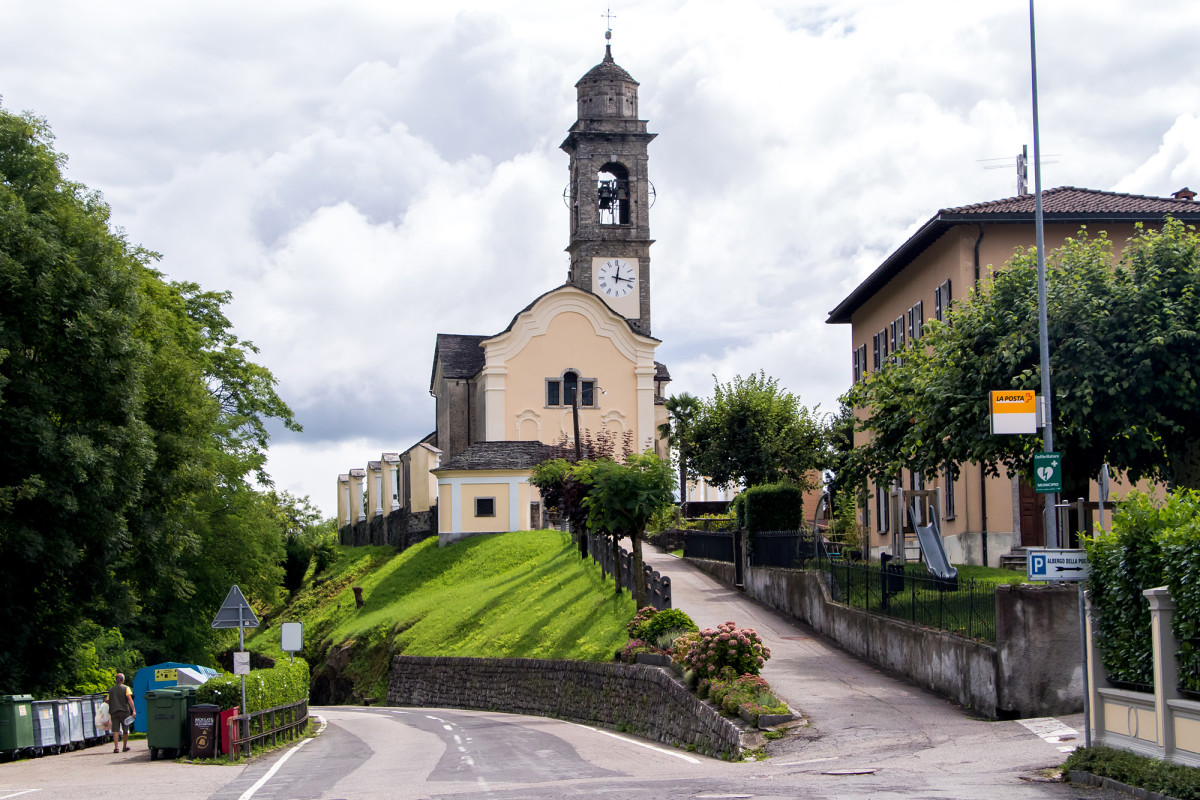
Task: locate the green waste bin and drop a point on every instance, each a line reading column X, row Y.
column 16, row 724
column 167, row 719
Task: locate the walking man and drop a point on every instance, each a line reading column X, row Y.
column 120, row 709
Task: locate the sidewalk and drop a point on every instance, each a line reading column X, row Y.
column 857, row 711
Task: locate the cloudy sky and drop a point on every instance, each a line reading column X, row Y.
column 363, row 175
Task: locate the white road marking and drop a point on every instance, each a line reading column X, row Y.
column 246, row 795
column 18, row 794
column 1053, row 731
column 627, row 740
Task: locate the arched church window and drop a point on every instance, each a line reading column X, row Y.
column 612, row 194
column 561, row 391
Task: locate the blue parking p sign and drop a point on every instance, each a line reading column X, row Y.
column 1057, row 565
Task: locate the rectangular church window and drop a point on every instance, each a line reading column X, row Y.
column 485, row 506
column 552, row 393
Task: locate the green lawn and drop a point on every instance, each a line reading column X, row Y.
column 514, row 595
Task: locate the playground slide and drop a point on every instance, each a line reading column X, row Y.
column 932, row 551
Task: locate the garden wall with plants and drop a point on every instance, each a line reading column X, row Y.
column 1035, row 669
column 642, row 700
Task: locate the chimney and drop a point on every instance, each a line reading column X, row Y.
column 1185, row 194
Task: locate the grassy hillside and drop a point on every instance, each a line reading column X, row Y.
column 518, row 595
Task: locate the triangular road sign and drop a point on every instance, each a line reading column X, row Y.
column 235, row 612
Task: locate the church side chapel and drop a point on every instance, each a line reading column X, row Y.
column 578, row 361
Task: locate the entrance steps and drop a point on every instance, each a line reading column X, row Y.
column 1016, row 559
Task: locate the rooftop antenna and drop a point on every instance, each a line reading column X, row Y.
column 1022, row 168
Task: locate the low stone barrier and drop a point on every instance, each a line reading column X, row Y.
column 643, row 700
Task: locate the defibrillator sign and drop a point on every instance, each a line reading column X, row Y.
column 1014, row 411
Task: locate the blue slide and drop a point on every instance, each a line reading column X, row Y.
column 932, row 551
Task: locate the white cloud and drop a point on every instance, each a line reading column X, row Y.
column 364, row 176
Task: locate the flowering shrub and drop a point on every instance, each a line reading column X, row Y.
column 644, row 615
column 739, row 649
column 629, row 653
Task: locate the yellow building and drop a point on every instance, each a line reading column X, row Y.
column 579, row 356
column 982, row 518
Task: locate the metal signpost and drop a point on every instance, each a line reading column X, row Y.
column 235, row 612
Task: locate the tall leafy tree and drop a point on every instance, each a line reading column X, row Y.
column 1124, row 365
column 623, row 498
column 74, row 443
column 752, row 432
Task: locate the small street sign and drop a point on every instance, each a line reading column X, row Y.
column 241, row 663
column 291, row 637
column 1058, row 565
column 235, row 612
column 1047, row 473
column 1013, row 411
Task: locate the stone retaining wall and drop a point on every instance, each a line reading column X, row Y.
column 646, row 701
column 401, row 529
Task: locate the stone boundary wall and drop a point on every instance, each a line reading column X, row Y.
column 1035, row 669
column 401, row 529
column 644, row 700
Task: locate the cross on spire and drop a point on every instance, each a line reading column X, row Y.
column 608, row 16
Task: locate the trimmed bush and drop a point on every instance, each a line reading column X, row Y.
column 1151, row 544
column 1173, row 780
column 732, row 693
column 286, row 682
column 666, row 621
column 772, row 507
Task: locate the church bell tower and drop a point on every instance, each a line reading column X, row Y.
column 610, row 193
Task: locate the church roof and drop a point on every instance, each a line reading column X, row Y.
column 606, row 70
column 1066, row 204
column 559, row 288
column 499, row 455
column 460, row 354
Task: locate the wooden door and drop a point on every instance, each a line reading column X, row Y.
column 1033, row 505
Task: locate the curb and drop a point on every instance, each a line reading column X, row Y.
column 1088, row 779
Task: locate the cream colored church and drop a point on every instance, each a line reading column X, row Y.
column 501, row 398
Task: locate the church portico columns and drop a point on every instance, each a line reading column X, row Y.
column 355, row 498
column 494, row 378
column 646, row 431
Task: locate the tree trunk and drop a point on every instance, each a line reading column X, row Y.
column 639, row 569
column 616, row 564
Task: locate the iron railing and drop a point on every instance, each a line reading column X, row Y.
column 968, row 610
column 286, row 721
column 785, row 548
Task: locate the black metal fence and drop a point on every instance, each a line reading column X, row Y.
column 286, row 721
column 712, row 545
column 658, row 587
column 784, row 548
column 968, row 610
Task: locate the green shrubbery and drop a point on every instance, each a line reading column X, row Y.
column 771, row 507
column 286, row 682
column 1151, row 544
column 663, row 623
column 733, row 693
column 1173, row 780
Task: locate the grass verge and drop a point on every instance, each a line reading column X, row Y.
column 513, row 595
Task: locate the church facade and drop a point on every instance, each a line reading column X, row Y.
column 577, row 361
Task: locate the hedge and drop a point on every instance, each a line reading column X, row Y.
column 1151, row 544
column 771, row 507
column 286, row 682
column 1173, row 780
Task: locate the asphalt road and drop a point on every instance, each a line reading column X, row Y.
column 868, row 735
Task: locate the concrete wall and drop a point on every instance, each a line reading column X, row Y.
column 1035, row 669
column 646, row 701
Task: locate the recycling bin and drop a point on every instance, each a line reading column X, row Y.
column 203, row 719
column 50, row 726
column 102, row 734
column 16, row 724
column 74, row 723
column 227, row 736
column 89, row 717
column 166, row 716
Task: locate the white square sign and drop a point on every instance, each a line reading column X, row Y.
column 241, row 663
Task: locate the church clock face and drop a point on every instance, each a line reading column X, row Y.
column 617, row 277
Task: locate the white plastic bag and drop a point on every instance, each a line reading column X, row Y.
column 103, row 721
